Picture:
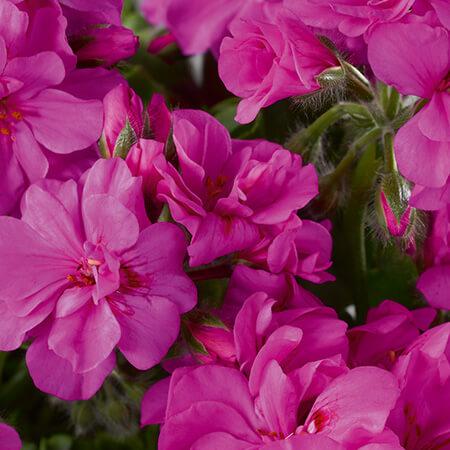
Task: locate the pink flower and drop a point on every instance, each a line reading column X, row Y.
column 228, row 192
column 92, row 270
column 266, row 327
column 390, row 328
column 420, row 418
column 435, row 280
column 9, row 439
column 414, row 58
column 270, row 56
column 352, row 18
column 213, row 407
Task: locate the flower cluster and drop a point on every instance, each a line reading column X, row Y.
column 223, row 253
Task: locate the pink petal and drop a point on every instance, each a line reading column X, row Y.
column 149, row 326
column 154, row 403
column 359, row 400
column 434, row 119
column 252, row 321
column 29, row 153
column 305, row 442
column 63, row 123
column 108, row 222
column 13, row 26
column 71, row 337
column 199, row 25
column 113, row 177
column 218, row 236
column 434, row 284
column 183, row 430
column 278, row 400
column 221, row 441
column 54, row 375
column 37, row 73
column 28, row 264
column 9, row 439
column 46, row 214
column 12, row 182
column 158, row 255
column 72, row 300
column 13, row 328
column 419, row 159
column 411, row 57
column 195, row 133
column 278, row 346
column 91, row 84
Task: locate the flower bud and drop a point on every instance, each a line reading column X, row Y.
column 126, row 121
column 394, row 213
column 211, row 340
column 104, row 46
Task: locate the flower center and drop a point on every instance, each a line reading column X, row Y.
column 84, row 275
column 8, row 120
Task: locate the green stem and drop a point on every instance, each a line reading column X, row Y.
column 354, row 225
column 390, row 163
column 3, row 356
column 393, row 104
column 309, row 136
column 330, row 181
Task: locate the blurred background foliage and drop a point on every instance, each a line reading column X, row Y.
column 110, row 420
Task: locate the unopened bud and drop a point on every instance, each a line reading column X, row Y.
column 210, row 340
column 104, row 45
column 394, row 212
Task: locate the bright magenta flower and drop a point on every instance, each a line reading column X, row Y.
column 228, row 193
column 93, row 276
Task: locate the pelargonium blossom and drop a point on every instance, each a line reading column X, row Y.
column 92, row 271
column 271, row 55
column 414, row 58
column 265, row 328
column 228, row 192
column 213, row 407
column 9, row 439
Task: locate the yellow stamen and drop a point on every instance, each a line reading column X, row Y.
column 17, row 115
column 3, row 116
column 94, row 262
column 5, row 131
